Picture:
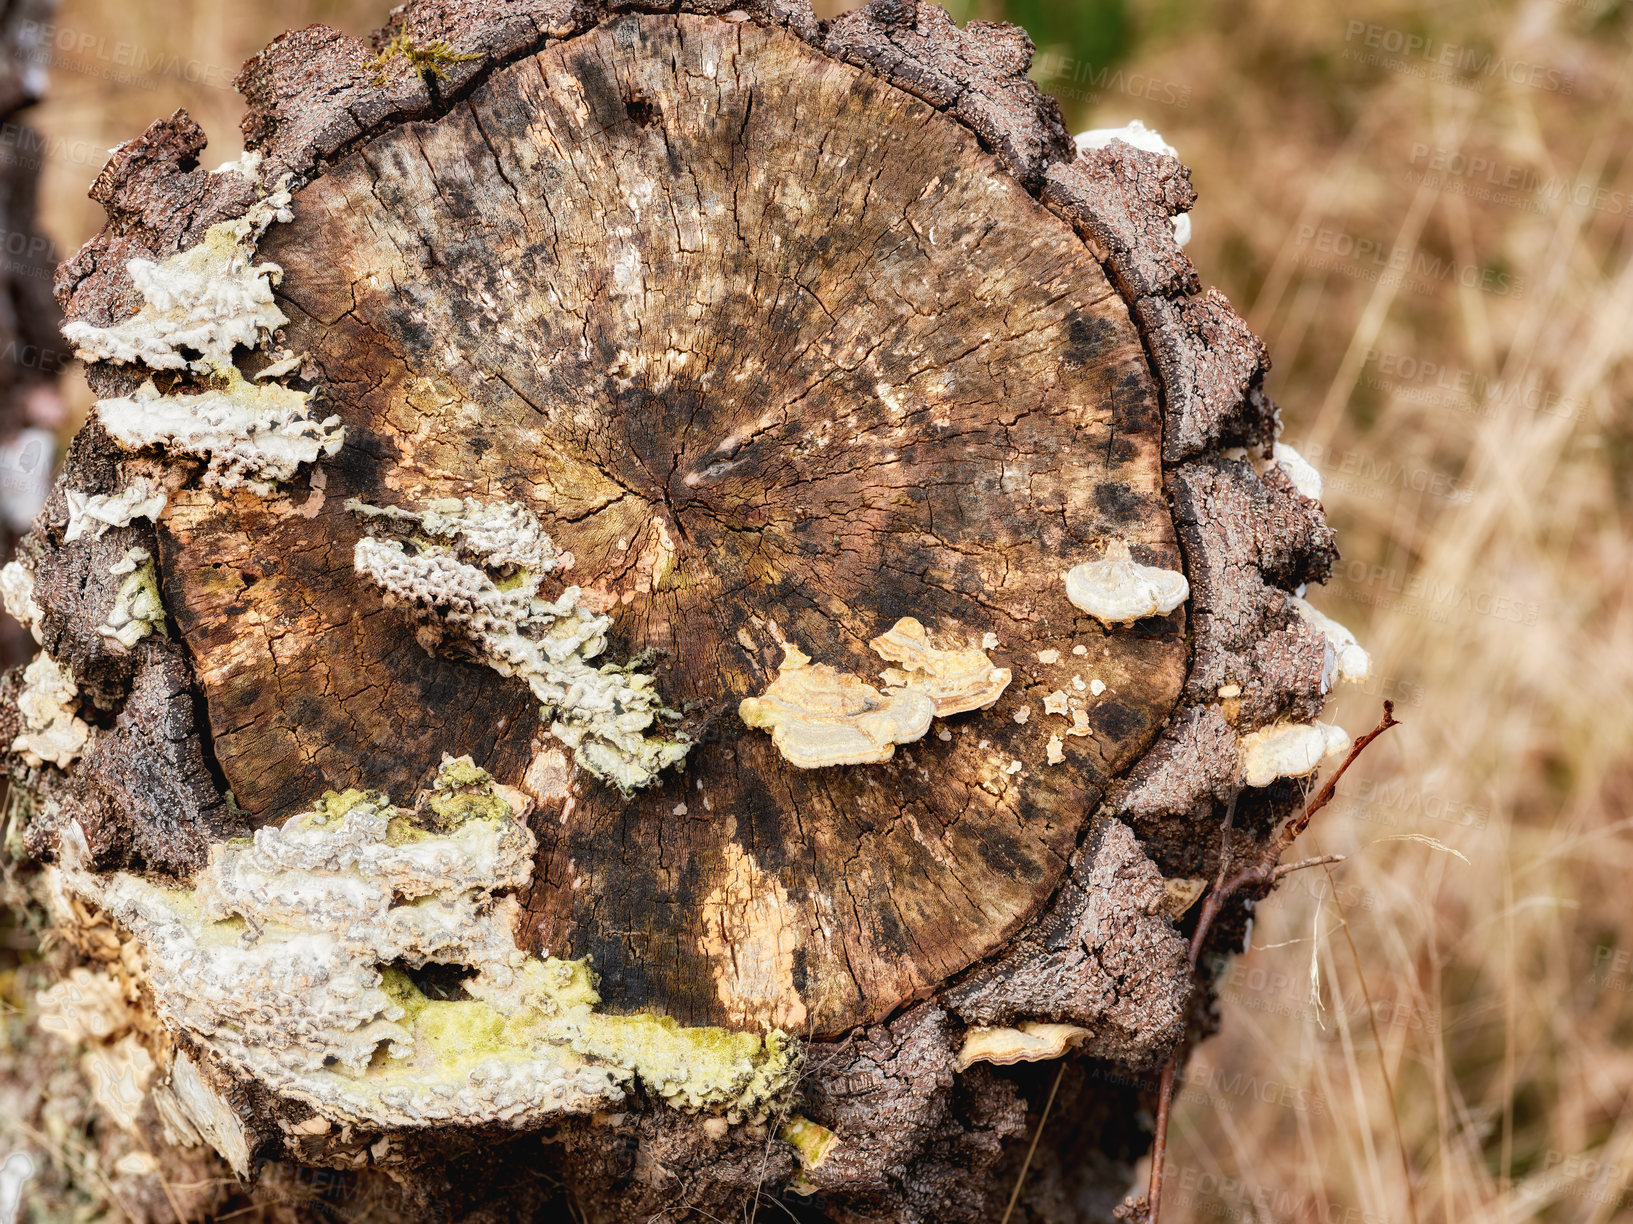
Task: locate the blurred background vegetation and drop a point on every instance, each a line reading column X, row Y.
column 1424, row 209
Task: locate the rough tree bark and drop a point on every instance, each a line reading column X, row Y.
column 785, row 331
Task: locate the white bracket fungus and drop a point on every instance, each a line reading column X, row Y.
column 1118, row 590
column 1179, row 893
column 1289, row 750
column 210, row 299
column 137, row 609
column 1306, row 479
column 246, row 165
column 250, row 434
column 1345, row 661
column 957, row 679
column 1029, row 1041
column 293, row 960
column 51, row 730
column 472, row 575
column 17, row 592
column 820, row 716
column 94, row 513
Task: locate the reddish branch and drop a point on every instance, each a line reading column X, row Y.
column 1261, row 876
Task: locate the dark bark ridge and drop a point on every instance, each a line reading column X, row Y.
column 919, row 1139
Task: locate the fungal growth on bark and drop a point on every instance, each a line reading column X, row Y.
column 475, row 573
column 1118, row 590
column 293, row 959
column 957, row 678
column 790, row 531
column 819, row 716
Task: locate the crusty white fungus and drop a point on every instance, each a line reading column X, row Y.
column 51, row 730
column 1028, row 1041
column 247, row 165
column 1346, row 662
column 472, row 575
column 251, row 435
column 94, row 513
column 292, row 960
column 1141, row 137
column 1096, row 686
column 819, row 716
column 137, row 609
column 958, row 679
column 1056, row 703
column 1306, row 479
column 1055, row 749
column 1289, row 750
column 209, row 299
column 1118, row 590
column 17, row 592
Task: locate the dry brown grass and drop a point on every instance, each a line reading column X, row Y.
column 1484, row 514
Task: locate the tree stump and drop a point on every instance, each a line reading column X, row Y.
column 667, row 529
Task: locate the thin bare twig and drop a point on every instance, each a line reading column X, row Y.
column 1320, row 860
column 1260, row 875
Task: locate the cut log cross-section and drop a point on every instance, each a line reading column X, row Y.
column 690, row 584
column 778, row 354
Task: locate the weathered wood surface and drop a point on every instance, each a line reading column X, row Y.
column 775, row 351
column 785, row 330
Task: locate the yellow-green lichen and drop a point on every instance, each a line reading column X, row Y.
column 333, row 805
column 461, row 791
column 138, row 609
column 694, row 1068
column 810, row 1140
